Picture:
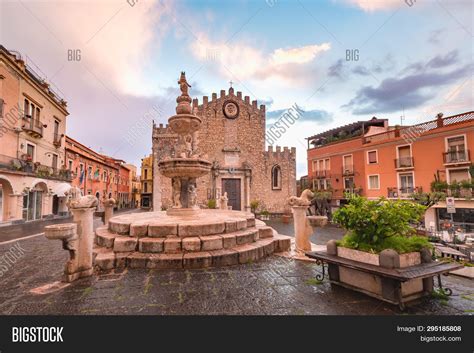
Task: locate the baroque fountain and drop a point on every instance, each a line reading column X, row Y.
column 184, row 236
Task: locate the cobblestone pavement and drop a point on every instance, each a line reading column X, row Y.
column 30, row 228
column 276, row 286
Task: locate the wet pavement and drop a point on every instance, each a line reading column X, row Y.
column 17, row 231
column 273, row 286
column 320, row 236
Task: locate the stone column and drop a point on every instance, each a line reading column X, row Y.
column 84, row 218
column 247, row 192
column 108, row 210
column 302, row 229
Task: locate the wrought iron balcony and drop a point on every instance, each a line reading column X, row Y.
column 25, row 165
column 456, row 157
column 355, row 191
column 347, row 170
column 32, row 126
column 321, row 174
column 403, row 192
column 404, row 162
column 57, row 140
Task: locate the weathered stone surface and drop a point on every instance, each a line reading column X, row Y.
column 151, row 245
column 244, row 237
column 172, row 245
column 230, row 226
column 137, row 260
column 165, row 261
column 138, row 230
column 211, row 242
column 251, row 222
column 104, row 238
column 192, row 230
column 389, row 258
column 265, row 232
column 281, row 243
column 224, row 257
column 331, row 247
column 241, row 224
column 162, row 230
column 105, row 261
column 123, row 244
column 121, row 259
column 191, row 244
column 356, row 255
column 119, row 227
column 247, row 253
column 228, row 241
column 200, row 259
column 267, row 246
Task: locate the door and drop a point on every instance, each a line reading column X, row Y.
column 232, row 187
column 55, row 204
column 406, row 183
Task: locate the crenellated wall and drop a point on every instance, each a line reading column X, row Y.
column 236, row 146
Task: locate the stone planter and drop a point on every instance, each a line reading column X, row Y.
column 286, row 218
column 376, row 284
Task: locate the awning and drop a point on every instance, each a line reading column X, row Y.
column 60, row 189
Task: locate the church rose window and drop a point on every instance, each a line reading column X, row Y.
column 230, row 109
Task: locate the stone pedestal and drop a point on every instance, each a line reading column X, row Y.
column 81, row 265
column 108, row 210
column 303, row 230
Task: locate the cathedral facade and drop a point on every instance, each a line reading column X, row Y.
column 232, row 135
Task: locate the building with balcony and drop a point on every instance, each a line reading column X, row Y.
column 372, row 159
column 147, row 182
column 32, row 129
column 134, row 186
column 97, row 174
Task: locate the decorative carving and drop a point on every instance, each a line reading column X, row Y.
column 192, row 196
column 230, row 109
column 304, row 200
column 183, row 84
column 223, row 201
column 75, row 200
column 176, row 183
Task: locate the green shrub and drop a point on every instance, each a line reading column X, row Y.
column 211, row 203
column 254, row 205
column 401, row 244
column 371, row 224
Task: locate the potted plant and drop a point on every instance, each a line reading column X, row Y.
column 377, row 230
column 264, row 215
column 211, row 203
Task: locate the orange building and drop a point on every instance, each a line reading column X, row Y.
column 372, row 159
column 97, row 174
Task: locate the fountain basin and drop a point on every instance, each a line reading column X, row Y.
column 184, row 123
column 184, row 167
column 64, row 232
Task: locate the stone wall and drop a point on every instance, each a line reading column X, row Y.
column 236, row 146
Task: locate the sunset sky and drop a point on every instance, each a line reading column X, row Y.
column 413, row 60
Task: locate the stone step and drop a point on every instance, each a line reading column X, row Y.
column 239, row 254
column 173, row 245
column 104, row 237
column 265, row 232
column 162, row 229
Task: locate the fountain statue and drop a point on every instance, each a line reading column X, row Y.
column 185, row 235
column 188, row 164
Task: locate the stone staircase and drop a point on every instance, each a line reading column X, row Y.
column 193, row 244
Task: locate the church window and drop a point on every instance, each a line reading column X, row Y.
column 276, row 177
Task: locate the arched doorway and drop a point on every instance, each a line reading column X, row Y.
column 5, row 191
column 33, row 202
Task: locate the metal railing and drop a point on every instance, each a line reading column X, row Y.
column 57, row 138
column 32, row 125
column 348, row 169
column 404, row 162
column 34, row 169
column 460, row 156
column 393, row 192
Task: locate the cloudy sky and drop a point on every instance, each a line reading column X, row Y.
column 339, row 60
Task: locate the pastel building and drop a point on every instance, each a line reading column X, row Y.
column 372, row 159
column 32, row 129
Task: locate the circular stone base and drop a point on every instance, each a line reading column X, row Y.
column 185, row 212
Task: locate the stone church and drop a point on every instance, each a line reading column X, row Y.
column 232, row 135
